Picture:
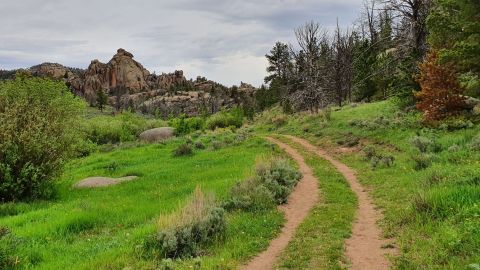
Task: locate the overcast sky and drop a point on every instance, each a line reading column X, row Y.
column 224, row 40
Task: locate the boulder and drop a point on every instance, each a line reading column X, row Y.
column 157, row 134
column 99, row 181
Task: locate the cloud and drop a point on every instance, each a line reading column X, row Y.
column 223, row 40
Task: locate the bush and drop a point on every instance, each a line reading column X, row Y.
column 250, row 195
column 369, row 152
column 199, row 145
column 184, row 125
column 183, row 150
column 422, row 161
column 225, row 119
column 38, row 133
column 475, row 143
column 217, row 145
column 422, row 143
column 350, row 140
column 120, row 128
column 184, row 233
column 377, row 159
column 455, row 124
column 273, row 182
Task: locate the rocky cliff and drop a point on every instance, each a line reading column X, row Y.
column 129, row 85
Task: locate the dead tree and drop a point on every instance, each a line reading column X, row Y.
column 411, row 16
column 310, row 89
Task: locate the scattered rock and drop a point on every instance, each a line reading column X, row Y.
column 99, row 181
column 157, row 134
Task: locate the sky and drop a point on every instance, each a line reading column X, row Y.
column 223, row 40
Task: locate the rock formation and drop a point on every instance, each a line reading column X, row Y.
column 130, row 86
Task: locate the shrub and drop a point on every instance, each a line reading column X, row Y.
column 38, row 133
column 377, row 159
column 273, row 182
column 455, row 124
column 422, row 143
column 454, row 148
column 279, row 177
column 369, row 152
column 185, row 232
column 217, row 145
column 183, row 150
column 120, row 128
column 250, row 195
column 349, row 140
column 475, row 143
column 184, row 125
column 199, row 145
column 225, row 119
column 422, row 161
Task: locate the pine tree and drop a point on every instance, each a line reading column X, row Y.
column 440, row 96
column 102, row 99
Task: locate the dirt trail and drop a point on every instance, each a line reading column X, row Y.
column 364, row 247
column 300, row 201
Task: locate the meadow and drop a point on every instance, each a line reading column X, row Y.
column 105, row 228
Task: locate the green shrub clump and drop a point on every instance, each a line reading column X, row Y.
column 475, row 143
column 377, row 159
column 185, row 233
column 199, row 145
column 184, row 125
column 424, row 144
column 38, row 133
column 184, row 149
column 273, row 182
column 225, row 119
column 125, row 127
column 422, row 161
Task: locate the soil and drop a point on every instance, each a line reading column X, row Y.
column 364, row 248
column 300, row 202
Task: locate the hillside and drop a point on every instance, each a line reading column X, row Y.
column 424, row 180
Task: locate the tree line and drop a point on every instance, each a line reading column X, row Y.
column 381, row 56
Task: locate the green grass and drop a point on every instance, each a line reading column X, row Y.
column 104, row 228
column 319, row 241
column 434, row 213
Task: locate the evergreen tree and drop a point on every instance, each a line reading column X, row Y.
column 102, row 99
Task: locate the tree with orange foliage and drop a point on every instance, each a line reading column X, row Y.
column 441, row 93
